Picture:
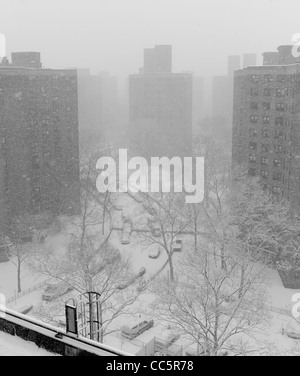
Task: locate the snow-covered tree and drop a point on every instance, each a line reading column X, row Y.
column 170, row 221
column 204, row 303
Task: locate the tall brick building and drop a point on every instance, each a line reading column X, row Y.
column 39, row 151
column 161, row 110
column 266, row 123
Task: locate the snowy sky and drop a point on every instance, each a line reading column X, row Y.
column 111, row 34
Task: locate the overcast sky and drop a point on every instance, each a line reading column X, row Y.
column 111, row 34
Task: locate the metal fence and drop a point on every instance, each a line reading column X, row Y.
column 26, row 292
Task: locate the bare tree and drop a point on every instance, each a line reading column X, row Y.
column 17, row 236
column 91, row 264
column 204, row 302
column 167, row 211
column 94, row 266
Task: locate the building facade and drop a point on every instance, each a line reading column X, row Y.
column 39, row 150
column 158, row 59
column 266, row 126
column 160, row 108
column 26, row 60
column 161, row 115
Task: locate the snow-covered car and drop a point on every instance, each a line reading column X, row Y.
column 137, row 329
column 292, row 330
column 151, row 222
column 177, row 247
column 123, row 285
column 154, row 253
column 154, row 228
column 173, row 337
column 141, row 272
column 142, row 286
column 156, row 232
column 125, row 239
column 126, row 284
column 127, row 227
column 55, row 290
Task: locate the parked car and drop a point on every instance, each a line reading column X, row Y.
column 125, row 239
column 173, row 337
column 137, row 329
column 155, row 253
column 142, row 285
column 127, row 227
column 55, row 290
column 126, row 284
column 177, row 247
column 151, row 222
column 141, row 272
column 156, row 232
column 158, row 353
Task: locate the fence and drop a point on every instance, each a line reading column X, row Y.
column 51, row 338
column 145, row 348
column 26, row 292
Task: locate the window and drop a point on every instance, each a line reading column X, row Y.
column 265, row 133
column 281, row 92
column 254, row 92
column 253, row 119
column 253, row 145
column 277, row 163
column 268, row 78
column 279, row 135
column 277, row 176
column 265, row 161
column 267, row 92
column 254, row 106
column 264, row 173
column 278, row 148
column 252, row 158
column 279, row 121
column 253, row 132
column 266, row 119
column 281, row 78
column 252, row 171
column 266, row 106
column 280, row 107
column 276, row 190
column 254, row 78
column 265, row 148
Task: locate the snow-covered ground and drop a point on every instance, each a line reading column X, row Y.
column 138, row 252
column 14, row 346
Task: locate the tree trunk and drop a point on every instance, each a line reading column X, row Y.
column 19, row 277
column 241, row 289
column 196, row 237
column 101, row 340
column 171, row 268
column 103, row 222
